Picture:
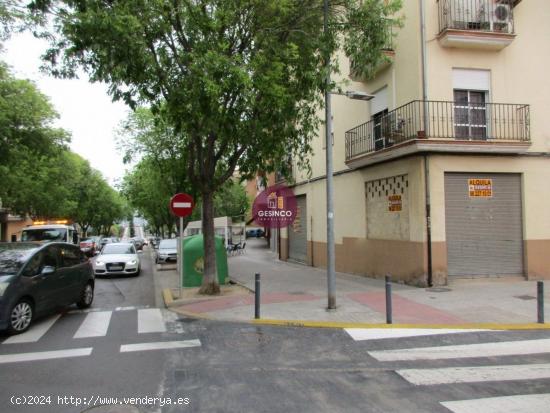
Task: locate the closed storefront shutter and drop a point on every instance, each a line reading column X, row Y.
column 483, row 219
column 297, row 233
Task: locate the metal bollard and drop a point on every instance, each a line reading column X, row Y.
column 540, row 302
column 257, row 296
column 388, row 301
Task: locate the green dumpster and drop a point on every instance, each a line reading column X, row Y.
column 193, row 260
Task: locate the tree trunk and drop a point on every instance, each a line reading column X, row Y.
column 210, row 284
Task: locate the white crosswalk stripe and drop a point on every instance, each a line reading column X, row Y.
column 163, row 345
column 428, row 376
column 34, row 333
column 532, row 403
column 94, row 325
column 449, row 375
column 507, row 348
column 360, row 334
column 45, row 355
column 150, row 321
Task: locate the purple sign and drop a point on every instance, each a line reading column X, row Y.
column 275, row 207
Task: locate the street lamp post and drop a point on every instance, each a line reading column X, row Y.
column 331, row 272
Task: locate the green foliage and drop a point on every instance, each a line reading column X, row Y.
column 229, row 201
column 238, row 82
column 40, row 176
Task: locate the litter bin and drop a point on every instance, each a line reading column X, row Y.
column 193, row 260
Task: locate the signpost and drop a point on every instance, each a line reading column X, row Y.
column 181, row 206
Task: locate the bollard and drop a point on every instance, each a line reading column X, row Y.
column 388, row 301
column 257, row 296
column 540, row 302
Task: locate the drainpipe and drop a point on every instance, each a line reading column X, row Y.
column 428, row 218
column 425, row 116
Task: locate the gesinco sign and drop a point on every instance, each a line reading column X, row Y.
column 275, row 207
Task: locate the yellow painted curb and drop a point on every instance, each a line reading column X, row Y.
column 465, row 326
column 167, row 296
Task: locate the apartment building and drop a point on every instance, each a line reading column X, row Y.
column 446, row 171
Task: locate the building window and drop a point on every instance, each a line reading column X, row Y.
column 470, row 113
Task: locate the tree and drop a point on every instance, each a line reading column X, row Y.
column 239, row 81
column 149, row 193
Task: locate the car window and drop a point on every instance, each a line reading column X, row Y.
column 119, row 249
column 167, row 243
column 34, row 267
column 69, row 257
column 50, row 257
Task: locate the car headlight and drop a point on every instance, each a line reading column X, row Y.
column 99, row 263
column 3, row 287
column 133, row 262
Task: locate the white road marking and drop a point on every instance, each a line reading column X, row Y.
column 507, row 348
column 45, row 355
column 34, row 333
column 447, row 375
column 359, row 334
column 150, row 321
column 162, row 345
column 95, row 324
column 532, row 403
column 126, row 308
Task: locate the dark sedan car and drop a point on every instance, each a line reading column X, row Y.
column 37, row 279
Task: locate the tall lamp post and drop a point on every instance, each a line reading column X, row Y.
column 331, row 271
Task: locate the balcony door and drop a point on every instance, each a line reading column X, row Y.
column 380, row 131
column 470, row 114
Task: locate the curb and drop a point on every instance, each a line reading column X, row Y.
column 169, row 303
column 337, row 324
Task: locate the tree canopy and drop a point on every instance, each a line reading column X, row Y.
column 238, row 81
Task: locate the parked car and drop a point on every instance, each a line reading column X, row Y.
column 89, row 246
column 255, row 233
column 118, row 259
column 36, row 279
column 138, row 242
column 107, row 240
column 167, row 251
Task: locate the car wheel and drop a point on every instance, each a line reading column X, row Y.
column 86, row 296
column 138, row 272
column 21, row 316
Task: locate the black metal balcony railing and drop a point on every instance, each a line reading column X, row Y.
column 477, row 15
column 457, row 121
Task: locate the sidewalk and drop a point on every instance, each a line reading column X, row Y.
column 296, row 292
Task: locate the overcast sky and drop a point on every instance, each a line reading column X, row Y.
column 84, row 108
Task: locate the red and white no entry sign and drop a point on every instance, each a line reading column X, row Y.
column 181, row 205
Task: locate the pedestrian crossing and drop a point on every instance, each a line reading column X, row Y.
column 429, row 372
column 96, row 324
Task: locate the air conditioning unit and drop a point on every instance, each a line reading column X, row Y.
column 501, row 18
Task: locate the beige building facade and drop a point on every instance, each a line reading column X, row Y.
column 445, row 172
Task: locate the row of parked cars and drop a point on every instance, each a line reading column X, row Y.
column 91, row 245
column 39, row 278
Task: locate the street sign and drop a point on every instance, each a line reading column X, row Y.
column 182, row 205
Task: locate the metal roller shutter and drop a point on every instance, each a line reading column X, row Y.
column 484, row 231
column 297, row 233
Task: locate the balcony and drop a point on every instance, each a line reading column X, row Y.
column 477, row 24
column 439, row 126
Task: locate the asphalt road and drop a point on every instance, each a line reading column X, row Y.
column 127, row 348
